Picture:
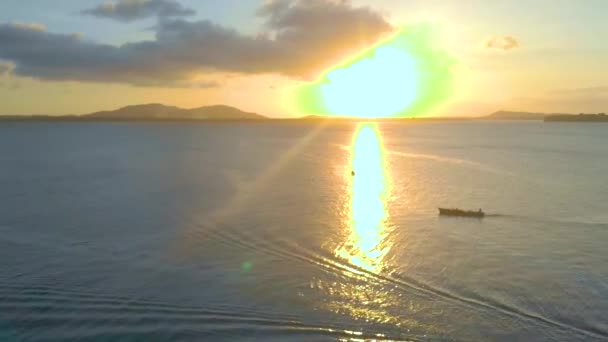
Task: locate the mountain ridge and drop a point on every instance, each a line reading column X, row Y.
column 157, row 111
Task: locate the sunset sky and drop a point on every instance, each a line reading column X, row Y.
column 79, row 56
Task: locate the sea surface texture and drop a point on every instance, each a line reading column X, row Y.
column 302, row 231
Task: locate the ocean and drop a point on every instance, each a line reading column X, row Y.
column 303, row 231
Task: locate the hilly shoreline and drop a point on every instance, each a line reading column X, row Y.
column 553, row 117
column 160, row 112
column 149, row 112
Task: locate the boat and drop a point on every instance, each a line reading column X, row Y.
column 461, row 213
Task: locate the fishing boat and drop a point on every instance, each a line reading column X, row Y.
column 461, row 213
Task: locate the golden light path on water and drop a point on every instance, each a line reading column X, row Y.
column 369, row 192
column 365, row 242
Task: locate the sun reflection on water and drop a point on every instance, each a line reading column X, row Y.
column 370, row 189
column 366, row 241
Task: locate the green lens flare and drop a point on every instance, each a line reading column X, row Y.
column 247, row 266
column 405, row 76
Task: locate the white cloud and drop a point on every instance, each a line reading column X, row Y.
column 504, row 43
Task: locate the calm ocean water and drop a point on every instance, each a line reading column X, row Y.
column 236, row 231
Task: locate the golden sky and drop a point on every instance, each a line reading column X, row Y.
column 80, row 56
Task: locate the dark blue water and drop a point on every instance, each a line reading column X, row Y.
column 235, row 231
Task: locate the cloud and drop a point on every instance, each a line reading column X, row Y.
column 30, row 26
column 300, row 39
column 131, row 10
column 501, row 43
column 314, row 33
column 192, row 84
column 207, row 84
column 6, row 68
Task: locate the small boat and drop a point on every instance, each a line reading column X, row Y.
column 461, row 213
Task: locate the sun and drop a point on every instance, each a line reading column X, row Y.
column 406, row 75
column 373, row 87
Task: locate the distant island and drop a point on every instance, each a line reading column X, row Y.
column 601, row 117
column 149, row 112
column 160, row 112
column 509, row 115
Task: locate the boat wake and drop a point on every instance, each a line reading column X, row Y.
column 398, row 282
column 64, row 315
column 442, row 159
column 537, row 219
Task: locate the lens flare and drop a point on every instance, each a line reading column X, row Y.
column 407, row 75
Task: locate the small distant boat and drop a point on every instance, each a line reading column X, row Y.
column 461, row 213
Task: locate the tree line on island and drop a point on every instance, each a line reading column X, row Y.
column 582, row 117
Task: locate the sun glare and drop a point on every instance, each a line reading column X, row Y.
column 407, row 75
column 373, row 87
